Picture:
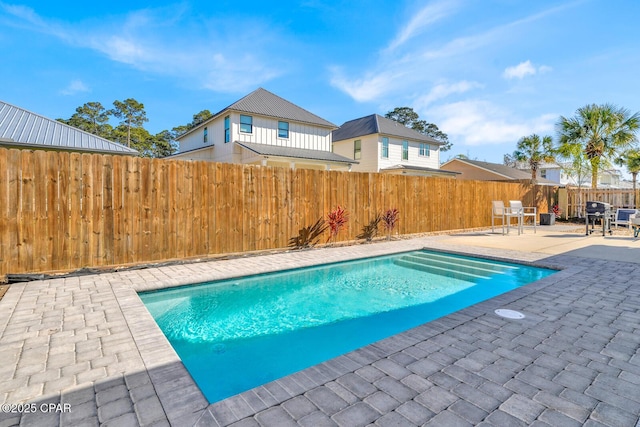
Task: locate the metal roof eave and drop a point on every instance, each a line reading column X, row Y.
column 254, row 150
column 24, row 145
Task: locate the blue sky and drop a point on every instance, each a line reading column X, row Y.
column 487, row 72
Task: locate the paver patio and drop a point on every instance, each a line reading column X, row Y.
column 89, row 343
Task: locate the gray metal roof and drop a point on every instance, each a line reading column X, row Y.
column 298, row 153
column 265, row 103
column 375, row 123
column 19, row 127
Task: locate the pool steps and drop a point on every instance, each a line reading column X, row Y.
column 458, row 268
column 472, row 262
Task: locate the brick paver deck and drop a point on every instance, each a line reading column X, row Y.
column 89, row 343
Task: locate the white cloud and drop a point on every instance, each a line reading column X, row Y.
column 426, row 16
column 524, row 69
column 368, row 88
column 443, row 90
column 420, row 64
column 477, row 122
column 142, row 40
column 76, row 86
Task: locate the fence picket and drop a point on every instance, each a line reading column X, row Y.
column 100, row 210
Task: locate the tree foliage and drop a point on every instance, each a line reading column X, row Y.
column 509, row 160
column 574, row 162
column 132, row 115
column 92, row 117
column 600, row 132
column 532, row 150
column 630, row 159
column 408, row 117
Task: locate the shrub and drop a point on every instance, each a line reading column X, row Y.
column 370, row 230
column 337, row 219
column 308, row 236
column 389, row 219
column 556, row 210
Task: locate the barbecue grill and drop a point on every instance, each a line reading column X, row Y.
column 598, row 211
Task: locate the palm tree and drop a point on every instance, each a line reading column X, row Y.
column 631, row 160
column 533, row 151
column 601, row 131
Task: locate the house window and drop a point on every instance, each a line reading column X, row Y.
column 385, row 148
column 227, row 133
column 357, row 149
column 424, row 150
column 405, row 150
column 205, row 136
column 543, row 173
column 283, row 129
column 246, row 124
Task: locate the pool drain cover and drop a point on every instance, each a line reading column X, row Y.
column 509, row 314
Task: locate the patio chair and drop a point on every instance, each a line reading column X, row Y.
column 623, row 217
column 525, row 212
column 505, row 214
column 634, row 223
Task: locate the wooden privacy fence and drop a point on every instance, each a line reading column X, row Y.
column 617, row 198
column 62, row 211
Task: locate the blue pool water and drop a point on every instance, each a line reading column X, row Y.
column 237, row 334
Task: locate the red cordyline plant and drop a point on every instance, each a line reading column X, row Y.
column 556, row 210
column 389, row 219
column 336, row 219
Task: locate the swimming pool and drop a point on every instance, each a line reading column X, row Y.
column 236, row 334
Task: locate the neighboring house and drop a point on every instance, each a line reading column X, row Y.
column 384, row 145
column 607, row 178
column 610, row 178
column 263, row 129
column 485, row 171
column 20, row 128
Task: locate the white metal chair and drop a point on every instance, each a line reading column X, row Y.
column 623, row 217
column 505, row 214
column 525, row 212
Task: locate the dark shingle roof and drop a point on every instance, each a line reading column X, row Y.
column 19, row 127
column 265, row 103
column 375, row 123
column 298, row 153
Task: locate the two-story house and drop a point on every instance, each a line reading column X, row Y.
column 263, row 128
column 384, row 145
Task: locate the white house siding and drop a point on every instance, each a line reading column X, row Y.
column 368, row 161
column 195, row 140
column 265, row 131
column 552, row 174
column 371, row 161
column 395, row 155
column 205, row 154
column 223, row 152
